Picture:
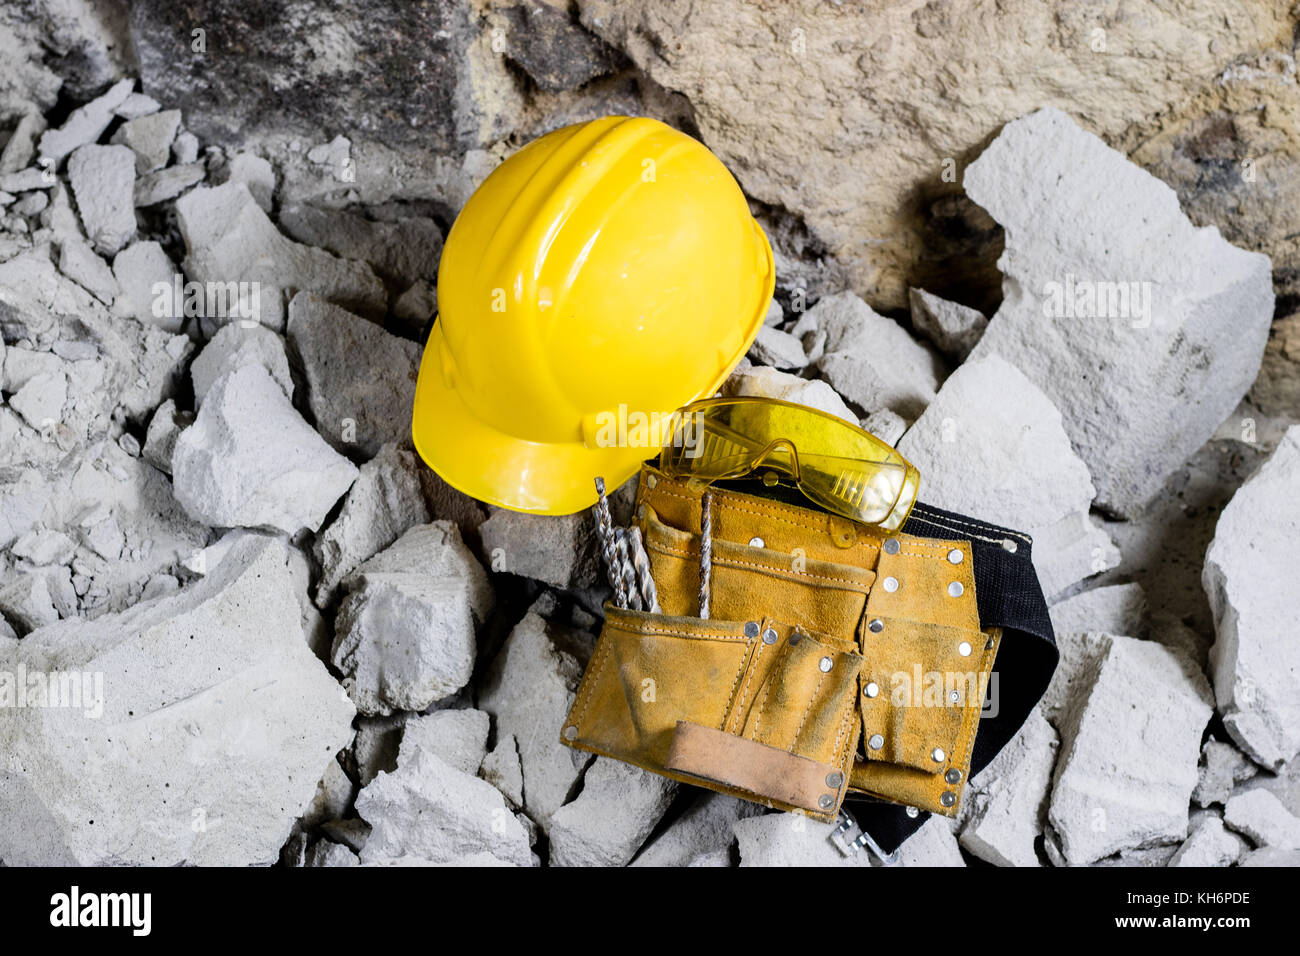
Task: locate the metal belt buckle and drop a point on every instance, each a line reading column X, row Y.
column 849, row 838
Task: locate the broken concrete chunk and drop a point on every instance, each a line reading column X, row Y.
column 791, row 839
column 561, row 551
column 135, row 106
column 85, row 123
column 229, row 238
column 377, row 744
column 772, row 383
column 1208, row 844
column 258, row 175
column 529, row 690
column 617, row 809
column 1250, row 581
column 1120, row 786
column 401, row 252
column 249, row 460
column 386, row 499
column 1167, row 310
column 19, row 151
column 328, row 853
column 80, row 263
column 147, row 279
column 1007, row 806
column 164, row 428
column 235, row 346
column 553, row 49
column 164, row 184
column 1223, row 766
column 992, row 444
column 25, row 180
column 31, row 204
column 334, row 796
column 707, row 827
column 1114, row 609
column 103, row 181
column 405, row 635
column 150, row 138
column 457, row 736
column 185, row 149
column 44, row 546
column 932, row 845
column 777, row 349
column 428, row 809
column 871, row 360
column 40, row 401
column 886, row 425
column 354, row 412
column 177, row 728
column 953, row 328
column 1261, row 816
column 502, row 769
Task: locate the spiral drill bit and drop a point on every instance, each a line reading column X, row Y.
column 608, row 544
column 706, row 550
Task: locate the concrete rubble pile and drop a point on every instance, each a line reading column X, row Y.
column 210, row 330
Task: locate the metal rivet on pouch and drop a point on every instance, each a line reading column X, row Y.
column 892, row 546
column 1009, row 545
column 570, row 732
column 953, row 775
column 913, row 812
column 891, row 584
column 937, row 755
column 826, row 801
column 948, row 798
column 876, row 625
column 834, row 779
column 876, row 742
column 826, row 664
column 872, row 689
column 751, row 629
column 757, row 542
column 955, row 589
column 955, row 556
column 988, row 645
column 651, row 481
column 640, row 511
column 954, row 697
column 769, row 636
column 963, row 649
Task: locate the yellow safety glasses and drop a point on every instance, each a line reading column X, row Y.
column 835, row 464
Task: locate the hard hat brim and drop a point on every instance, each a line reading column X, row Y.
column 554, row 478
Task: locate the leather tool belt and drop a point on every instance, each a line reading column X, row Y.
column 838, row 661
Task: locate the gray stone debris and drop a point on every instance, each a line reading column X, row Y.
column 886, row 425
column 528, row 691
column 19, row 151
column 258, row 175
column 1261, row 816
column 334, row 796
column 553, row 49
column 164, row 428
column 249, row 460
column 236, row 346
column 139, row 269
column 386, row 499
column 86, row 123
column 1250, row 581
column 150, row 138
column 376, row 745
column 80, row 263
column 1112, row 608
column 103, row 181
column 1269, row 856
column 182, row 756
column 402, row 251
column 1120, row 786
column 1035, row 483
column 618, row 808
column 502, row 769
column 354, row 412
column 772, row 383
column 429, row 810
column 457, row 736
column 705, row 828
column 417, row 305
column 790, row 839
column 561, row 551
column 933, row 845
column 953, row 328
column 185, row 149
column 1208, row 844
column 1167, row 310
column 1223, row 766
column 405, row 634
column 34, row 177
column 777, row 349
column 135, row 106
column 31, row 204
column 1007, row 802
column 229, row 238
column 328, row 853
column 41, row 399
column 164, row 184
column 871, row 360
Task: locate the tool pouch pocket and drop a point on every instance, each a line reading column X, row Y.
column 758, row 709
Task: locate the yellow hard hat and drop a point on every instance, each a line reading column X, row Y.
column 603, row 276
